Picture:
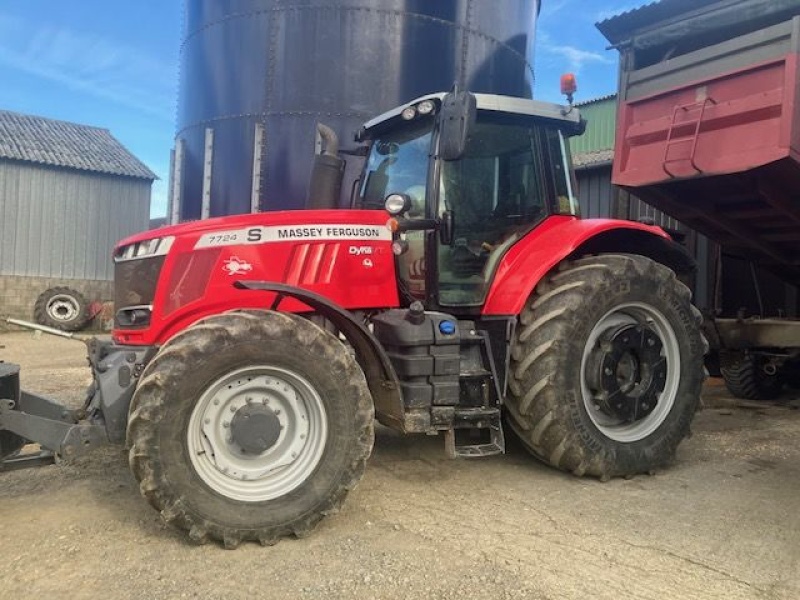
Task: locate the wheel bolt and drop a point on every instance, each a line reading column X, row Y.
column 248, row 400
column 608, row 371
column 216, row 401
column 278, row 411
column 226, row 424
column 206, row 420
column 302, row 435
column 233, row 408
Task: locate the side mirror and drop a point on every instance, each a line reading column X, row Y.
column 456, row 118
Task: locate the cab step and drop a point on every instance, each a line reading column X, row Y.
column 476, row 432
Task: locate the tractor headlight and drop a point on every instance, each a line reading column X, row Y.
column 426, row 107
column 145, row 249
column 397, row 204
column 409, row 113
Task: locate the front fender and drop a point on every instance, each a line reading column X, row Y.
column 559, row 238
column 381, row 377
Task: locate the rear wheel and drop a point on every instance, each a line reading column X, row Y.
column 250, row 426
column 749, row 377
column 607, row 367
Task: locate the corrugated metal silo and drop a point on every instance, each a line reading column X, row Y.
column 256, row 75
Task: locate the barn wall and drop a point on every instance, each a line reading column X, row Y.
column 63, row 223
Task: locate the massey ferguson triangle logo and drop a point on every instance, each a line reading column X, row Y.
column 236, row 266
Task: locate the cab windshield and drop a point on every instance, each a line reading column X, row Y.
column 398, row 163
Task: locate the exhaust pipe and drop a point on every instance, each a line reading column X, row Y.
column 327, row 173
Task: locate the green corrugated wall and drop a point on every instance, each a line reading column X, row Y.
column 601, row 115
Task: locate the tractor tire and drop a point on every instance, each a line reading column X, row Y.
column 607, row 367
column 790, row 374
column 745, row 378
column 250, row 426
column 62, row 308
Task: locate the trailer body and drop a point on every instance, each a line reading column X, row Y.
column 708, row 131
column 713, row 138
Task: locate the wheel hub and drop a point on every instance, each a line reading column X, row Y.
column 628, row 372
column 255, row 428
column 257, row 433
column 62, row 308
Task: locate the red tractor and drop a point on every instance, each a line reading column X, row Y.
column 461, row 293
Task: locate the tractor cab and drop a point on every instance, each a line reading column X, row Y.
column 466, row 176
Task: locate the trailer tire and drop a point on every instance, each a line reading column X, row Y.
column 62, row 308
column 576, row 326
column 745, row 379
column 206, row 472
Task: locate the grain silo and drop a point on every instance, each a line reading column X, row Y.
column 257, row 75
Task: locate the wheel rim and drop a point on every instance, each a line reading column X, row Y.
column 63, row 308
column 257, row 433
column 630, row 372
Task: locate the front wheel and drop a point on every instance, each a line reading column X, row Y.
column 607, row 367
column 250, row 426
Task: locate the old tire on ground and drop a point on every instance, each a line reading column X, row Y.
column 607, row 367
column 745, row 378
column 250, row 426
column 62, row 308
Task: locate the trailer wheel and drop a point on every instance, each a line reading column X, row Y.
column 745, row 377
column 62, row 308
column 607, row 367
column 250, row 426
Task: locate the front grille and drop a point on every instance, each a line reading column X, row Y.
column 135, row 283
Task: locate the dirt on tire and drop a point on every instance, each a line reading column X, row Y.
column 545, row 406
column 175, row 379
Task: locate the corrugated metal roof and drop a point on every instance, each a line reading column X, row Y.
column 62, row 144
column 618, row 29
column 591, row 101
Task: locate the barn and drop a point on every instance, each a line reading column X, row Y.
column 68, row 193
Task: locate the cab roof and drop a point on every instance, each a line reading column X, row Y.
column 563, row 116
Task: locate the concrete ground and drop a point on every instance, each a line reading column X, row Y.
column 722, row 522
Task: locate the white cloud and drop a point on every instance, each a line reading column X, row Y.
column 576, row 58
column 551, row 7
column 91, row 64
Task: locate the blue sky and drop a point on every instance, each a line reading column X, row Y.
column 115, row 64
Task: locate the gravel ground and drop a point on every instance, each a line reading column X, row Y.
column 722, row 522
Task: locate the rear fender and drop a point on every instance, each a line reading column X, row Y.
column 562, row 238
column 381, row 377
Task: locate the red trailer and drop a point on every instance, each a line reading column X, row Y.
column 709, row 133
